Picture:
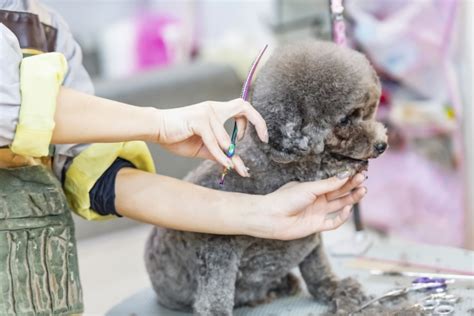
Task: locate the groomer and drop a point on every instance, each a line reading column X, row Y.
column 62, row 149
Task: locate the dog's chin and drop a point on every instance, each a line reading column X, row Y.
column 356, row 164
column 343, row 157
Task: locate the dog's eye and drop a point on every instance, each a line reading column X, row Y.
column 345, row 121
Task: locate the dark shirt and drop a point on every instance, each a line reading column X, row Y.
column 102, row 194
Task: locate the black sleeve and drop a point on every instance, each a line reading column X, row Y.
column 102, row 194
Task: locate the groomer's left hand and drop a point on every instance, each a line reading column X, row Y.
column 198, row 130
column 297, row 209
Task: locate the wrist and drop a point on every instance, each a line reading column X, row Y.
column 247, row 215
column 152, row 118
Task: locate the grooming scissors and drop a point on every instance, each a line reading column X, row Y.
column 244, row 95
column 438, row 303
column 416, row 286
column 442, row 282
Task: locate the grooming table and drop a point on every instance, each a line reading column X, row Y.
column 115, row 281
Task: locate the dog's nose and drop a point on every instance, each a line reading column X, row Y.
column 380, row 147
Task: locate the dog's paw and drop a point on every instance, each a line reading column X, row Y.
column 347, row 297
column 288, row 286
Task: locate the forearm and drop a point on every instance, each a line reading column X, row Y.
column 83, row 118
column 172, row 203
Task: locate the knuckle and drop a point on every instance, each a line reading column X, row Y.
column 213, row 113
column 350, row 199
column 248, row 108
column 239, row 103
column 206, row 106
column 332, row 226
column 211, row 110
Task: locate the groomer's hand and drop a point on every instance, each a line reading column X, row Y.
column 198, row 130
column 192, row 131
column 297, row 210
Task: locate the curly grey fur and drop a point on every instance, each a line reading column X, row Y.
column 303, row 92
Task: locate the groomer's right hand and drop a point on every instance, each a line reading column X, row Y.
column 193, row 131
column 297, row 209
column 198, row 130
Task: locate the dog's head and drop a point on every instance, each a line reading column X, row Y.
column 318, row 97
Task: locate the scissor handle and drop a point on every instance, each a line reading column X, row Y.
column 429, row 280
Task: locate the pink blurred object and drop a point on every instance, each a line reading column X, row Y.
column 385, row 98
column 425, row 28
column 413, row 42
column 161, row 40
column 338, row 25
column 415, row 198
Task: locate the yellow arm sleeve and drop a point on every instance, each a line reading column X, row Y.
column 40, row 79
column 90, row 164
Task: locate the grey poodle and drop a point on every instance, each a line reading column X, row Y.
column 319, row 101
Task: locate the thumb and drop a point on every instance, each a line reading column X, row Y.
column 324, row 186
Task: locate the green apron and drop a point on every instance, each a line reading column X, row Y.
column 39, row 272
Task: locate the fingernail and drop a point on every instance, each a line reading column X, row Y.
column 343, row 174
column 265, row 137
column 359, row 178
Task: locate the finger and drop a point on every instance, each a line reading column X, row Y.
column 323, row 186
column 238, row 108
column 239, row 166
column 348, row 199
column 257, row 120
column 220, row 133
column 338, row 220
column 232, row 108
column 241, row 126
column 211, row 143
column 204, row 153
column 347, row 187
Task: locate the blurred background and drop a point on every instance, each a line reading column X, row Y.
column 175, row 53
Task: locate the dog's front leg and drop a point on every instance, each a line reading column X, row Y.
column 218, row 264
column 317, row 273
column 343, row 295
